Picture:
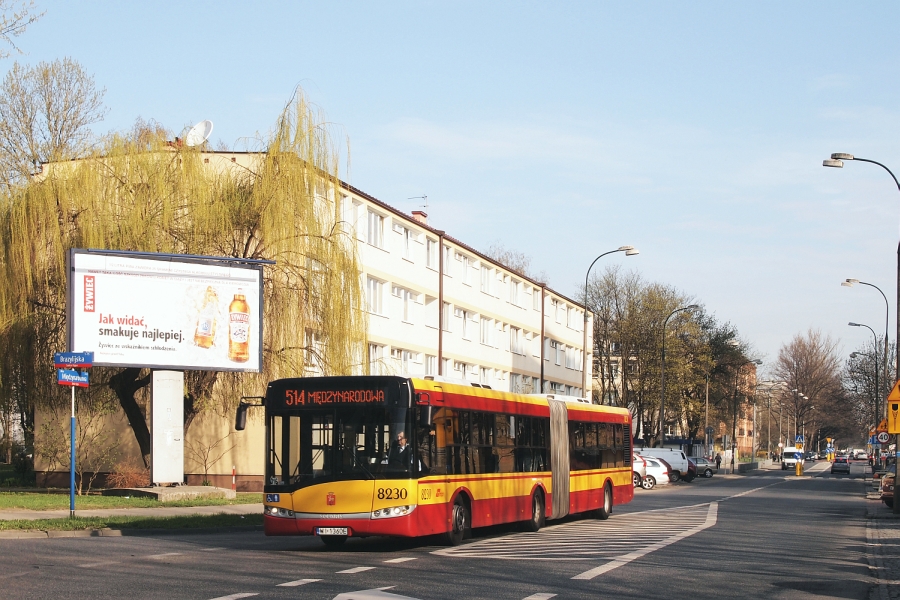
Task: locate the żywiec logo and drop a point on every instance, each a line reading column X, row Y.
column 88, row 293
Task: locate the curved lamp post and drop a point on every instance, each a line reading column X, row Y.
column 629, row 251
column 875, row 344
column 850, row 283
column 837, row 161
column 662, row 383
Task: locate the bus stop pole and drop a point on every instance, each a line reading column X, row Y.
column 72, row 462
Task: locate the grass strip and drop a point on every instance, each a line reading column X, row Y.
column 41, row 501
column 174, row 522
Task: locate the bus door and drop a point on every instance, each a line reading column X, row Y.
column 559, row 458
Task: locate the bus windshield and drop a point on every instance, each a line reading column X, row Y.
column 343, row 442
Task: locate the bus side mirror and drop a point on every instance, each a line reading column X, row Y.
column 425, row 416
column 240, row 421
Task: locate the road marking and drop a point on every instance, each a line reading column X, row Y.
column 236, row 596
column 99, row 564
column 165, row 555
column 298, row 582
column 587, row 539
column 711, row 516
column 539, row 596
column 357, row 570
column 400, row 560
column 750, row 491
column 211, row 549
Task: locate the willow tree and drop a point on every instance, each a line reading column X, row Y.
column 140, row 192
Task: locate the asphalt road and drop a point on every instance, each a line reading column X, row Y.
column 762, row 536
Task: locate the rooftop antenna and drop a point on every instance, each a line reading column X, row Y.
column 422, row 197
column 198, row 134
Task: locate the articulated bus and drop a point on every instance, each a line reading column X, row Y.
column 396, row 456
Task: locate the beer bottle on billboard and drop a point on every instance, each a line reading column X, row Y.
column 239, row 328
column 205, row 332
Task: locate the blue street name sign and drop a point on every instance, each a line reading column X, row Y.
column 72, row 377
column 73, row 360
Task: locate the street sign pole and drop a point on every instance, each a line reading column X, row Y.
column 72, row 462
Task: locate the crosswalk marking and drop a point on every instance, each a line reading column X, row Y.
column 237, row 596
column 400, row 560
column 99, row 564
column 298, row 582
column 356, row 570
column 620, row 536
column 164, row 555
column 539, row 597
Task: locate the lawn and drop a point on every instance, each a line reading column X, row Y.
column 178, row 522
column 48, row 501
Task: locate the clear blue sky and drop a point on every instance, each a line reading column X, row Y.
column 693, row 131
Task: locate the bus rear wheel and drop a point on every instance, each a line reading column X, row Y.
column 459, row 522
column 333, row 541
column 606, row 508
column 538, row 515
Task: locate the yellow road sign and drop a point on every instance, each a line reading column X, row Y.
column 883, row 426
column 893, row 420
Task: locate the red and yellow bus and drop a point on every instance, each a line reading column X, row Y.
column 396, row 456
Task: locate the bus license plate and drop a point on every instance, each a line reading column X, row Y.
column 331, row 531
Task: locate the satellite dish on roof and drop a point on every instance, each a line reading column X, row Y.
column 198, row 133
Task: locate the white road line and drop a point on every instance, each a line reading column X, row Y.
column 356, row 570
column 210, row 549
column 236, row 596
column 627, row 558
column 298, row 582
column 539, row 597
column 99, row 564
column 165, row 555
column 400, row 560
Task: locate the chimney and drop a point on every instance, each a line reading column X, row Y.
column 420, row 216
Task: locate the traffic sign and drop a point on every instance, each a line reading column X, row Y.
column 893, row 420
column 799, row 439
column 73, row 360
column 798, row 455
column 72, row 377
column 883, row 437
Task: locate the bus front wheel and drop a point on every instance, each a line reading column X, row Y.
column 459, row 522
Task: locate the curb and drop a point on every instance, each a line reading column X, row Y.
column 31, row 534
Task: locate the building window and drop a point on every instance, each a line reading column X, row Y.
column 374, row 291
column 430, row 364
column 536, row 299
column 514, row 292
column 448, row 265
column 431, row 255
column 486, row 279
column 407, row 237
column 466, row 316
column 376, row 230
column 403, row 358
column 557, row 350
column 485, row 331
column 446, row 316
column 484, row 377
column 465, row 265
column 407, row 297
column 376, row 354
column 515, row 341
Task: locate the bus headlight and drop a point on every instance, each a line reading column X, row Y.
column 274, row 511
column 393, row 511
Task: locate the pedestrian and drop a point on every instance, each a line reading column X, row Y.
column 718, row 461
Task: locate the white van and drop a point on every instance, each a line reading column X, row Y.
column 675, row 457
column 788, row 460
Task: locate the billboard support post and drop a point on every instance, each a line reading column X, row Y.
column 72, row 462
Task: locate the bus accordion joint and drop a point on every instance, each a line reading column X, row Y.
column 240, row 420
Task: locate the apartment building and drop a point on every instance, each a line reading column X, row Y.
column 438, row 307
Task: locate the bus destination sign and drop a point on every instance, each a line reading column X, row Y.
column 320, row 397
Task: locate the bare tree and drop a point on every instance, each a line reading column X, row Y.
column 514, row 260
column 15, row 17
column 45, row 115
column 809, row 366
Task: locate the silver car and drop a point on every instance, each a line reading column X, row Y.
column 705, row 466
column 841, row 464
column 638, row 469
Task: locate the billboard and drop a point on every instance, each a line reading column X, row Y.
column 165, row 311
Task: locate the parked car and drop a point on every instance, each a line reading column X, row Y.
column 657, row 474
column 841, row 464
column 812, row 456
column 887, row 489
column 638, row 469
column 704, row 466
column 675, row 457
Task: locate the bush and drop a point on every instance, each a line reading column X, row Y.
column 128, row 476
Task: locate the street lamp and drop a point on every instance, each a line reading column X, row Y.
column 629, row 251
column 837, row 161
column 662, row 383
column 734, row 412
column 875, row 345
column 850, row 283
